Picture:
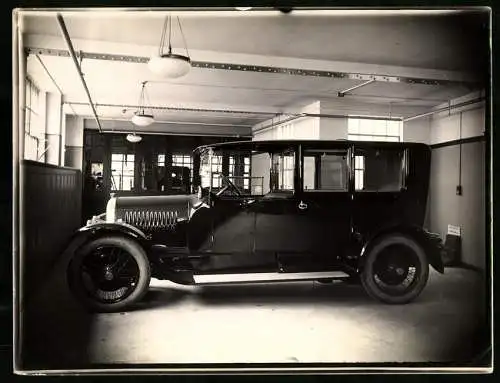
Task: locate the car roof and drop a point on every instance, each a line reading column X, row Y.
column 320, row 144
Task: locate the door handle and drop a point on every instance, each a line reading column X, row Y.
column 302, row 205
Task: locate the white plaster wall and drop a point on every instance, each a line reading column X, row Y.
column 265, row 135
column 418, row 130
column 446, row 127
column 333, row 129
column 303, row 128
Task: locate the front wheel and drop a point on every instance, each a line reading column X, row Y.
column 396, row 270
column 109, row 274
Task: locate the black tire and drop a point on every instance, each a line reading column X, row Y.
column 136, row 274
column 382, row 277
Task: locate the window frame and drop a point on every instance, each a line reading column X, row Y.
column 281, row 163
column 354, row 136
column 403, row 171
column 305, row 152
column 122, row 161
column 33, row 105
column 189, row 164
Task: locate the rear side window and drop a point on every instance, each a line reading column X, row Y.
column 378, row 170
column 325, row 171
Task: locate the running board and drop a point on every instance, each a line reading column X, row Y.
column 213, row 279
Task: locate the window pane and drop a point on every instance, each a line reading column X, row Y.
column 116, row 166
column 393, row 128
column 333, row 172
column 309, row 172
column 382, row 170
column 372, row 130
column 353, row 125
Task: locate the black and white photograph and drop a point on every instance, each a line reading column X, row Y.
column 251, row 190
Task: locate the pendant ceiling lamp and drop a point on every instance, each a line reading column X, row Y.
column 141, row 118
column 168, row 64
column 134, row 138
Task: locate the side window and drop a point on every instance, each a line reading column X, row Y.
column 282, row 171
column 378, row 170
column 325, row 170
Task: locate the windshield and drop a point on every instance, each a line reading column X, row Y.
column 254, row 173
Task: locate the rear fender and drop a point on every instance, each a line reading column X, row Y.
column 431, row 244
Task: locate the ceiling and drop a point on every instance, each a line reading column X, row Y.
column 438, row 45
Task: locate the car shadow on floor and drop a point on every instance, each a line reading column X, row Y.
column 299, row 293
column 284, row 292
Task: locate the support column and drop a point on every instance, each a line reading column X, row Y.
column 74, row 142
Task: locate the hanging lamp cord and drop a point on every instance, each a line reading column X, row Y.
column 183, row 37
column 167, row 25
column 163, row 35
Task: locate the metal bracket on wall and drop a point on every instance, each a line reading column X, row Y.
column 252, row 68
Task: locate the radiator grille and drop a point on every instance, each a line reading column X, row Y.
column 151, row 220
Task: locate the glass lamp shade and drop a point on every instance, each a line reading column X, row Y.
column 170, row 65
column 141, row 119
column 132, row 137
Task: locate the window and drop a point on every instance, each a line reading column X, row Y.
column 184, row 161
column 239, row 171
column 325, row 170
column 182, row 171
column 378, row 170
column 359, row 172
column 161, row 160
column 122, row 171
column 34, row 124
column 282, row 172
column 260, row 173
column 361, row 129
column 214, row 172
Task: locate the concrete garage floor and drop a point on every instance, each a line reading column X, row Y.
column 279, row 323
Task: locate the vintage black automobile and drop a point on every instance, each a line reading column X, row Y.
column 269, row 211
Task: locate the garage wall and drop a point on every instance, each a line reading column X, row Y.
column 445, row 206
column 417, row 130
column 333, row 129
column 289, row 128
column 51, row 209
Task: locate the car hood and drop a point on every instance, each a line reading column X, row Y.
column 131, row 208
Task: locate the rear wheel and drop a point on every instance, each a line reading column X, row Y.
column 396, row 270
column 109, row 274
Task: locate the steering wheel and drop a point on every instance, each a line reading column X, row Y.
column 230, row 185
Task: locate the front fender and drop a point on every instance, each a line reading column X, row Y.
column 430, row 242
column 94, row 230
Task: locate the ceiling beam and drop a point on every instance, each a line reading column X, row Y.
column 120, row 126
column 287, row 70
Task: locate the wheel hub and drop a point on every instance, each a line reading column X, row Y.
column 108, row 275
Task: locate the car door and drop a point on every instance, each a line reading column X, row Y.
column 282, row 230
column 324, row 205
